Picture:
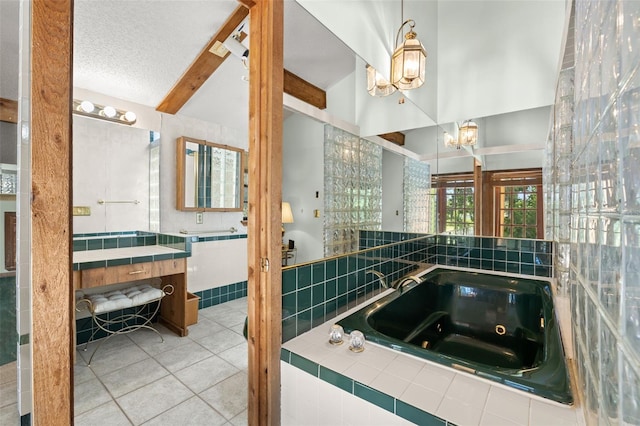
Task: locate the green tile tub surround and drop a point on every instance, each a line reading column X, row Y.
column 315, row 292
column 520, row 256
column 362, row 391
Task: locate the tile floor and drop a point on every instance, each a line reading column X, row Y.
column 136, row 379
column 9, row 395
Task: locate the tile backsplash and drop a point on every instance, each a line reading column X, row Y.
column 315, row 292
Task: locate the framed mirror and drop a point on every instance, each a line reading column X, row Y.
column 209, row 176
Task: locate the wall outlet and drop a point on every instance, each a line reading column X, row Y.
column 199, row 217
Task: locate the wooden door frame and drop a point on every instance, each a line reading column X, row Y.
column 51, row 248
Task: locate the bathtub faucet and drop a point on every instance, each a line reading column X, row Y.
column 380, row 275
column 401, row 284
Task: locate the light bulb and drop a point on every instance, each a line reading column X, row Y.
column 130, row 116
column 109, row 111
column 86, row 106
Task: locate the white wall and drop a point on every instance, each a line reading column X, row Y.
column 174, row 126
column 326, row 404
column 216, row 263
column 392, row 192
column 302, row 176
column 525, row 40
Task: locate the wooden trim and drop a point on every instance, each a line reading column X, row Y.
column 7, row 197
column 395, row 137
column 487, row 205
column 8, row 110
column 303, row 90
column 539, row 212
column 265, row 201
column 202, row 67
column 10, row 241
column 51, row 255
column 478, row 196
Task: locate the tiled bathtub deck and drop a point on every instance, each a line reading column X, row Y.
column 409, row 382
column 194, row 380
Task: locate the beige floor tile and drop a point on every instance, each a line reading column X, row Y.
column 152, row 344
column 105, row 414
column 221, row 341
column 89, row 395
column 206, row 373
column 182, row 356
column 133, row 376
column 8, row 372
column 9, row 415
column 153, row 399
column 228, row 397
column 241, row 419
column 192, row 412
column 237, row 355
column 205, row 327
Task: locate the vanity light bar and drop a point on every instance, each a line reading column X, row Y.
column 103, row 112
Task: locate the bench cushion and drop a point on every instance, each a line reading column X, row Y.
column 124, row 298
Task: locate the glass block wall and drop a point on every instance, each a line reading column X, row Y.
column 352, row 189
column 603, row 169
column 417, row 208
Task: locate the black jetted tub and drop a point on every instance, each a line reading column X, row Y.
column 497, row 327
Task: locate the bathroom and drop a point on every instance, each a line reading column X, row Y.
column 593, row 230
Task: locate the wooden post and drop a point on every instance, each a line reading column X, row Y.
column 265, row 198
column 51, row 285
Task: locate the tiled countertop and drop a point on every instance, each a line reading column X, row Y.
column 449, row 394
column 89, row 259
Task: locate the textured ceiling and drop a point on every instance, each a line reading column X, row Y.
column 136, row 50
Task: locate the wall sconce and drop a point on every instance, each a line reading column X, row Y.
column 408, row 65
column 103, row 112
column 467, row 136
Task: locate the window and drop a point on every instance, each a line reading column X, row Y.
column 517, row 211
column 456, row 204
column 518, row 208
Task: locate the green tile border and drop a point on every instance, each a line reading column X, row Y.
column 25, row 339
column 362, row 391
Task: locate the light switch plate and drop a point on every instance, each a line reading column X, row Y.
column 199, row 217
column 81, row 211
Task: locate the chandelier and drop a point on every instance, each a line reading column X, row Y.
column 467, row 135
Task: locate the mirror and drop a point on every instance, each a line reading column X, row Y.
column 209, row 176
column 115, row 177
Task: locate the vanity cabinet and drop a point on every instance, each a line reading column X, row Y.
column 171, row 271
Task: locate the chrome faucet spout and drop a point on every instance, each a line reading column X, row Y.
column 402, row 283
column 381, row 277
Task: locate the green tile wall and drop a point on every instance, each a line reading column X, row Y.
column 8, row 331
column 314, row 293
column 217, row 295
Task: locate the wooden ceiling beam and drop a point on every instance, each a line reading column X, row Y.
column 207, row 63
column 395, row 137
column 8, row 110
column 204, row 65
column 303, row 90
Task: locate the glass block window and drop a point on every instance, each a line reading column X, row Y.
column 352, row 188
column 419, row 210
column 517, row 208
